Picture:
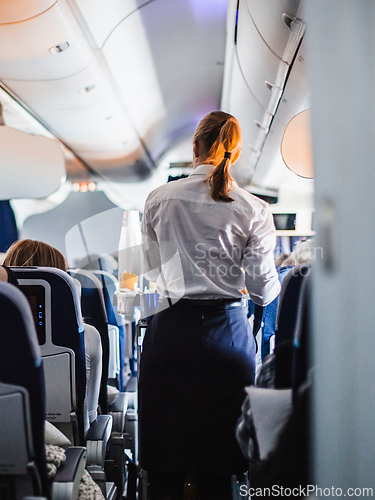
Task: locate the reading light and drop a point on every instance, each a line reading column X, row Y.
column 89, row 88
column 59, row 48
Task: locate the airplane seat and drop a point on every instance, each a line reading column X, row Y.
column 55, row 303
column 286, row 322
column 93, row 309
column 117, row 323
column 95, row 313
column 23, row 468
column 274, row 428
column 301, row 361
column 60, row 332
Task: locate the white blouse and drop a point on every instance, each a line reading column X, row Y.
column 198, row 248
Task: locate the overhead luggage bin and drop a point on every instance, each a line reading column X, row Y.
column 267, row 81
column 280, row 37
column 32, row 59
column 20, row 10
column 101, row 21
column 30, row 166
column 271, row 170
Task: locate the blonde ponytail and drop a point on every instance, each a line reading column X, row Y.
column 221, row 181
column 219, row 136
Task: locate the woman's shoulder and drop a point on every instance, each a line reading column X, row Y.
column 248, row 200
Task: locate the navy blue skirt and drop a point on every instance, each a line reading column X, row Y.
column 195, row 363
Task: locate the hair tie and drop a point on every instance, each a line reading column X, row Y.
column 227, row 154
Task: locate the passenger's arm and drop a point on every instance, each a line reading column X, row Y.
column 6, row 274
column 150, row 248
column 93, row 350
column 261, row 276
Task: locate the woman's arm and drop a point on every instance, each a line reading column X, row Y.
column 150, row 248
column 261, row 276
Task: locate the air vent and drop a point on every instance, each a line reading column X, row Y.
column 89, row 88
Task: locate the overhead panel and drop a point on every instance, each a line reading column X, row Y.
column 28, row 43
column 128, row 56
column 147, row 78
column 263, row 70
column 100, row 19
column 80, row 90
column 87, row 130
column 267, row 16
column 19, row 10
column 63, row 87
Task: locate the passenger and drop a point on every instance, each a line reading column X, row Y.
column 38, row 253
column 280, row 259
column 302, row 253
column 199, row 354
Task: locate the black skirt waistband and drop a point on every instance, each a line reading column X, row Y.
column 210, row 303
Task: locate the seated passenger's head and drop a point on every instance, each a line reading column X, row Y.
column 303, row 253
column 217, row 141
column 34, row 253
column 280, row 259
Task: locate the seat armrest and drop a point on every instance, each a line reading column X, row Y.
column 97, row 440
column 118, row 411
column 131, row 390
column 131, row 386
column 68, row 477
column 119, row 404
column 100, row 428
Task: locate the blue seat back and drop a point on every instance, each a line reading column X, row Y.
column 288, row 302
column 288, row 310
column 21, row 365
column 66, row 325
column 109, row 284
column 94, row 313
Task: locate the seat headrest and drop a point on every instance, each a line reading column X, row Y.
column 16, row 317
column 62, row 288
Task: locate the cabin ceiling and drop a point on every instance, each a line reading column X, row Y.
column 118, row 82
column 122, row 83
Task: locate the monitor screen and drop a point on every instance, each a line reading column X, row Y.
column 285, row 222
column 35, row 294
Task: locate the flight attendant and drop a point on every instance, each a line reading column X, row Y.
column 204, row 240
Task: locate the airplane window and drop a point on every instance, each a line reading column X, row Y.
column 296, row 146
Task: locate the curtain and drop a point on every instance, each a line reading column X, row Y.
column 8, row 226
